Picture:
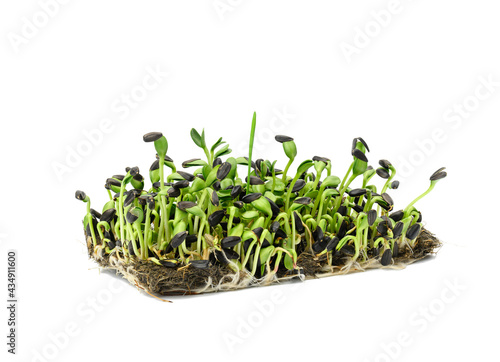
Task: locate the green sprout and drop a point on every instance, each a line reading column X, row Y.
column 249, row 216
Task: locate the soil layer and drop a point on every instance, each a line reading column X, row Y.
column 161, row 280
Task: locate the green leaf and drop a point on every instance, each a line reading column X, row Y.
column 195, row 136
column 265, row 254
column 109, row 205
column 196, row 211
column 203, row 143
column 290, row 149
column 263, row 205
column 193, row 163
column 212, row 176
column 237, row 230
column 304, row 166
column 288, row 261
column 161, row 146
column 217, row 144
column 223, row 151
column 250, row 214
column 197, row 185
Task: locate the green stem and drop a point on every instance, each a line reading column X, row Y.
column 250, row 149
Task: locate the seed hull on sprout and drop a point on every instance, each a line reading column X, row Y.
column 234, row 223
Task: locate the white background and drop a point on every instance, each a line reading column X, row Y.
column 401, row 88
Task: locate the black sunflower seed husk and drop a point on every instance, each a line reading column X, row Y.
column 354, row 143
column 113, row 182
column 419, row 217
column 364, row 143
column 111, row 245
column 169, row 263
column 158, row 184
column 372, row 217
column 322, row 159
column 155, row 165
column 332, row 245
column 173, row 192
column 342, row 230
column 382, row 172
column 131, row 218
column 191, row 239
column 212, row 258
column 235, row 191
column 109, row 235
column 318, row 234
column 282, row 138
column 152, row 136
column 342, row 210
column 178, row 239
column 274, row 208
column 280, row 234
column 299, row 184
column 359, row 155
column 385, row 164
column 298, row 223
column 251, row 197
column 274, row 226
column 238, row 204
column 387, row 198
column 397, row 215
column 395, row 250
column 358, row 208
column 413, row 232
column 394, row 184
column 95, row 213
column 187, row 162
column 186, row 175
column 386, row 257
column 382, row 228
column 151, row 254
column 258, row 232
column 230, row 241
column 200, row 264
column 236, row 220
column 398, row 229
column 119, row 243
column 182, row 184
column 217, row 161
column 215, row 218
column 184, row 205
column 220, row 256
column 347, row 250
column 303, row 200
column 223, row 171
column 215, row 199
column 439, row 174
column 246, row 244
column 223, row 225
column 357, row 192
column 258, row 163
column 131, row 247
column 231, row 254
column 254, row 180
column 134, row 171
column 216, row 185
column 265, row 243
column 319, row 246
column 258, row 272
